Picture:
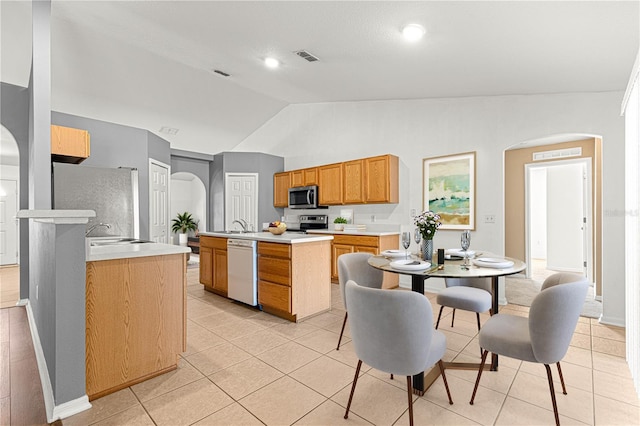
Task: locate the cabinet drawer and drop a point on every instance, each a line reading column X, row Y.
column 274, row 269
column 213, row 242
column 274, row 250
column 274, row 295
column 356, row 240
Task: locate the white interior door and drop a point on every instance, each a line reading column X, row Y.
column 158, row 202
column 8, row 224
column 241, row 199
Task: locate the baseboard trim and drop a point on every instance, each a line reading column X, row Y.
column 22, row 302
column 607, row 320
column 54, row 412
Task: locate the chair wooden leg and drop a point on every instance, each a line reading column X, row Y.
column 342, row 331
column 475, row 388
column 353, row 388
column 564, row 389
column 439, row 315
column 444, row 379
column 553, row 394
column 410, row 397
column 453, row 316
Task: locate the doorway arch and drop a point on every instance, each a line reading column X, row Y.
column 9, row 229
column 188, row 194
column 550, row 149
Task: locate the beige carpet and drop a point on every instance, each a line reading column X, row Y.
column 521, row 291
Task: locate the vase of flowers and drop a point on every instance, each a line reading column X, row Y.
column 428, row 223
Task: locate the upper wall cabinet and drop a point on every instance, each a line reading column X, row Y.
column 304, row 177
column 362, row 181
column 381, row 179
column 330, row 184
column 69, row 145
column 281, row 185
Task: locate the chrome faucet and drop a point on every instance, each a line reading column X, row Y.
column 107, row 225
column 243, row 223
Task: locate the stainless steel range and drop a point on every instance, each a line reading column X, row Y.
column 316, row 221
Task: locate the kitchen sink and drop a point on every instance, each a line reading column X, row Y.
column 117, row 241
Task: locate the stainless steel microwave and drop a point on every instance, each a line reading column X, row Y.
column 303, row 197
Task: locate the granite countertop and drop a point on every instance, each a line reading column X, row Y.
column 370, row 233
column 286, row 238
column 121, row 251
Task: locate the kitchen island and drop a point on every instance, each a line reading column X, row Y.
column 135, row 312
column 293, row 271
column 374, row 242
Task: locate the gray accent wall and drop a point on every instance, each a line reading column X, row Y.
column 114, row 145
column 14, row 107
column 246, row 162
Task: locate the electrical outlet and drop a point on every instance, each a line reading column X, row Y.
column 373, row 218
column 413, row 213
column 490, row 218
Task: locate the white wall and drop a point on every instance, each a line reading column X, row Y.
column 189, row 196
column 311, row 134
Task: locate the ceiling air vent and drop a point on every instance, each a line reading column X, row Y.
column 168, row 130
column 306, row 55
column 222, row 73
column 558, row 153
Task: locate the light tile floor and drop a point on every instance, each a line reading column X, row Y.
column 246, row 367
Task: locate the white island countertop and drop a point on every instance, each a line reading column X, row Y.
column 122, row 251
column 370, row 233
column 286, row 238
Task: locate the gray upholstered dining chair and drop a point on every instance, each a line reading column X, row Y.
column 355, row 266
column 468, row 294
column 545, row 335
column 392, row 331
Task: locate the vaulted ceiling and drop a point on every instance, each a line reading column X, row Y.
column 150, row 64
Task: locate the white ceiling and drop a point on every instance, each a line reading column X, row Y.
column 149, row 64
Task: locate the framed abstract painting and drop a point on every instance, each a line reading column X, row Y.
column 449, row 189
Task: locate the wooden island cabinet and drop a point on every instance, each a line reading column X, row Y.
column 135, row 320
column 213, row 264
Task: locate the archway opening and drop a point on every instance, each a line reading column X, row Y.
column 9, row 229
column 188, row 194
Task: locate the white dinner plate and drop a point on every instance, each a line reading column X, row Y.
column 459, row 252
column 410, row 265
column 493, row 262
column 394, row 253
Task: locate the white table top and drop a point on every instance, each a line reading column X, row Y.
column 453, row 268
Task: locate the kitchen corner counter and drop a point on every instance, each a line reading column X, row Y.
column 286, row 238
column 370, row 233
column 122, row 251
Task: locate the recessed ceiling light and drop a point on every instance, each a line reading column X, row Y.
column 271, row 62
column 413, row 32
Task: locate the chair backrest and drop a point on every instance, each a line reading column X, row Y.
column 554, row 314
column 481, row 283
column 391, row 329
column 354, row 266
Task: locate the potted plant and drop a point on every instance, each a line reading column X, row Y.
column 338, row 223
column 181, row 225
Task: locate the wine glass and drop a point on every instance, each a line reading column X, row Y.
column 465, row 242
column 417, row 236
column 406, row 242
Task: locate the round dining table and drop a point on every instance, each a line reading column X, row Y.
column 452, row 269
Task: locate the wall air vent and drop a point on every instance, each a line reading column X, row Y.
column 306, row 55
column 558, row 153
column 222, row 73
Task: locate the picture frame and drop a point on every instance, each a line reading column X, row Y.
column 449, row 189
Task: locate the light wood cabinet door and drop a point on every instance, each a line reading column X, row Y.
column 297, row 178
column 353, row 182
column 381, row 179
column 310, row 176
column 206, row 267
column 220, row 279
column 281, row 185
column 330, row 184
column 336, row 251
column 69, row 145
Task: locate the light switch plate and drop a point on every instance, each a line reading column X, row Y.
column 490, row 218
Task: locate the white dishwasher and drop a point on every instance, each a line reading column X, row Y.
column 242, row 271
